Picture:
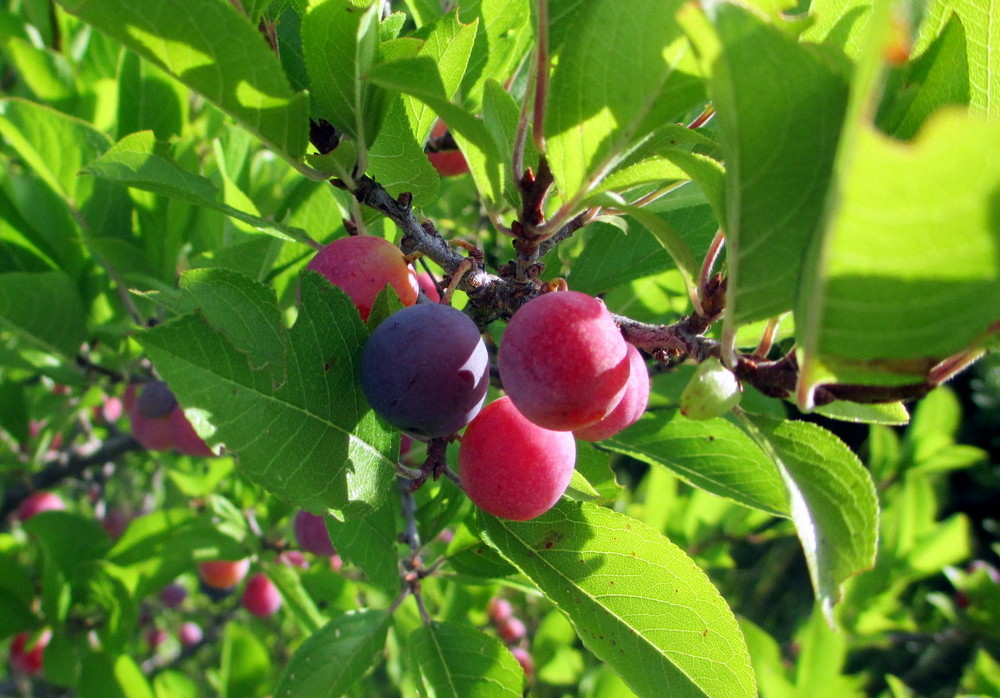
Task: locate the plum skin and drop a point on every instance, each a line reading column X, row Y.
column 38, row 502
column 425, row 370
column 261, row 597
column 563, row 360
column 223, row 574
column 26, row 657
column 362, row 265
column 629, row 409
column 511, row 467
column 312, row 535
column 159, row 423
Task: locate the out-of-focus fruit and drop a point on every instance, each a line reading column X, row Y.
column 223, row 574
column 261, row 597
column 38, row 502
column 312, row 535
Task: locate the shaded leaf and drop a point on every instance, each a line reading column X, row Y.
column 832, row 501
column 336, row 656
column 312, row 438
column 455, row 660
column 711, row 454
column 215, row 51
column 637, row 601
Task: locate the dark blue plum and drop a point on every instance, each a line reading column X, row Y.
column 425, row 370
column 156, row 400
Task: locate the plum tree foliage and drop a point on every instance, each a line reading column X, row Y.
column 655, row 286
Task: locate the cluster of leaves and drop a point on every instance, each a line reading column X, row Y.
column 848, row 165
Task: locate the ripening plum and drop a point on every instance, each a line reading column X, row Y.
column 149, row 410
column 510, row 466
column 511, row 630
column 523, row 658
column 311, row 534
column 186, row 439
column 27, row 653
column 499, row 609
column 156, row 637
column 426, row 284
column 563, row 361
column 450, row 162
column 712, row 391
column 173, row 595
column 362, row 265
column 190, row 633
column 38, row 502
column 159, row 423
column 261, row 597
column 223, row 574
column 425, row 370
column 629, row 409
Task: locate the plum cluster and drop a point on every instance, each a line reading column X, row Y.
column 512, row 631
column 567, row 371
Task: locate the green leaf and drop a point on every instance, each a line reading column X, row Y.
column 312, row 438
column 780, row 106
column 296, row 598
column 937, row 78
column 245, row 669
column 711, row 454
column 669, row 238
column 610, row 258
column 329, row 661
column 503, row 39
column 890, row 248
column 454, row 660
column 768, row 662
column 244, row 311
column 819, row 666
column 888, row 413
column 164, row 544
column 215, row 51
column 979, row 19
column 17, row 594
column 133, row 162
column 55, row 146
column 149, row 99
column 419, row 77
column 449, row 43
column 397, row 160
column 832, row 501
column 71, row 541
column 637, row 601
column 619, row 78
column 340, row 41
column 370, row 543
column 112, row 677
column 14, row 410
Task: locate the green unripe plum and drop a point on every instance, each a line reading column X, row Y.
column 712, row 391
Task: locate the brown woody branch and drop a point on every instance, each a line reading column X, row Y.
column 65, row 466
column 493, row 297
